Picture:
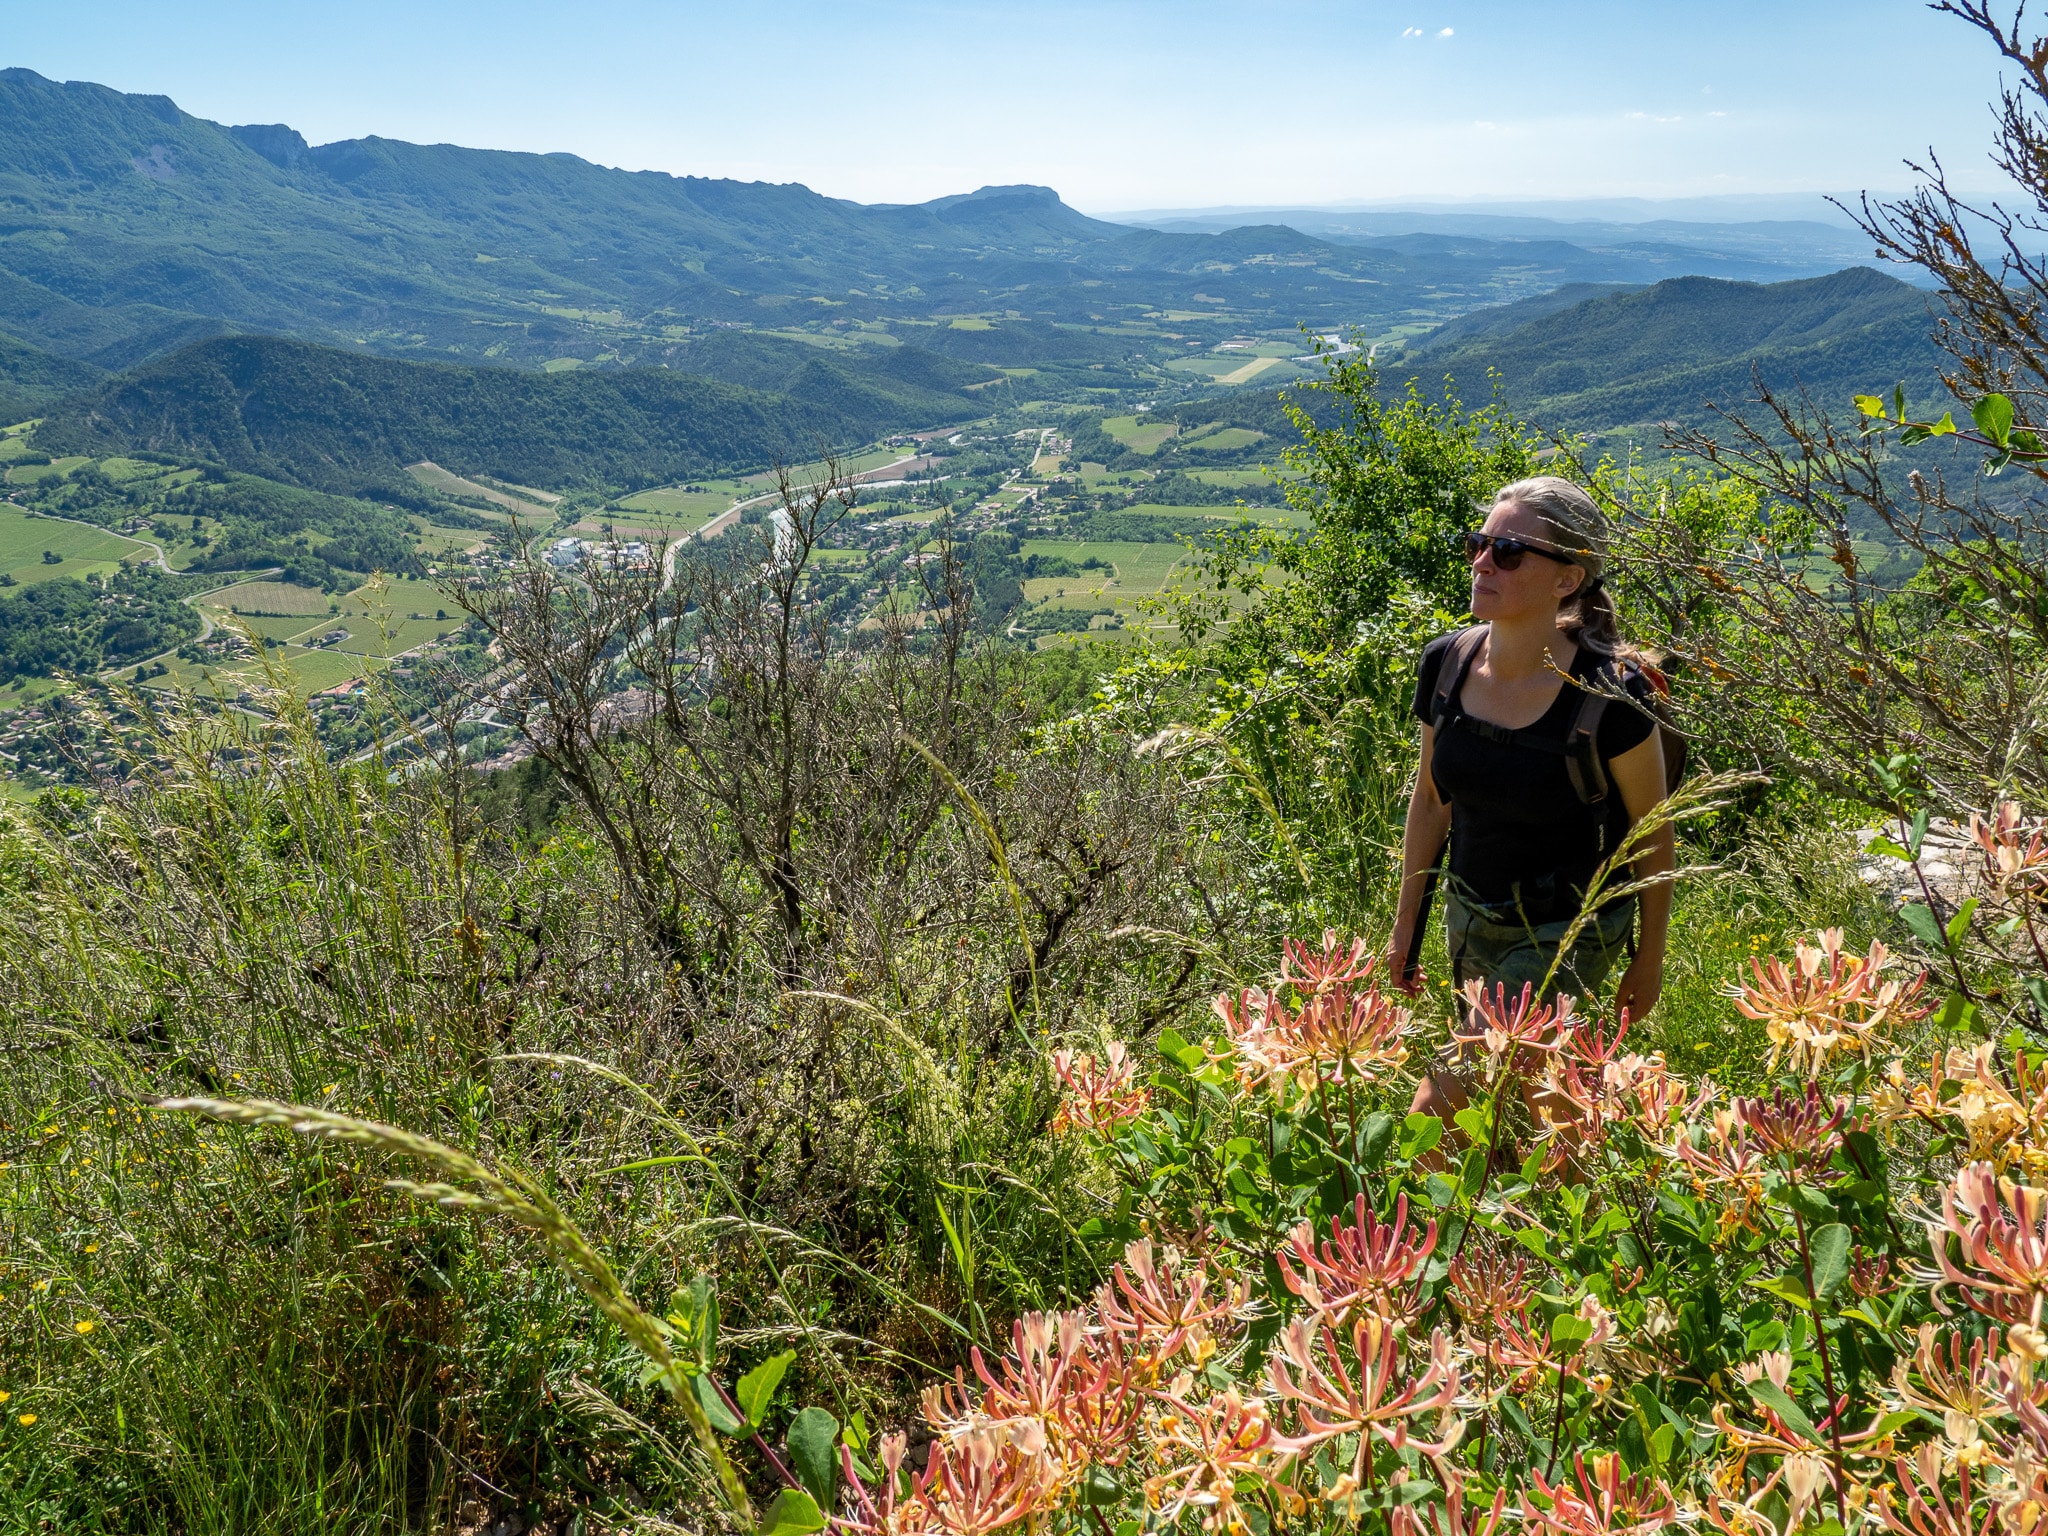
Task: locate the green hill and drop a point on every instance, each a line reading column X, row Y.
column 1666, row 352
column 347, row 422
column 134, row 227
column 31, row 379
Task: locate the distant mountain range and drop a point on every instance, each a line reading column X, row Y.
column 1587, row 359
column 132, row 228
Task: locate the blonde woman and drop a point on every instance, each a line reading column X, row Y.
column 1539, row 754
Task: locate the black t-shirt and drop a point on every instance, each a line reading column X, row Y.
column 1519, row 832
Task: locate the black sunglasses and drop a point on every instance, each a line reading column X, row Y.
column 1507, row 553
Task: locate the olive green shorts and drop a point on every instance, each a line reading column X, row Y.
column 1512, row 953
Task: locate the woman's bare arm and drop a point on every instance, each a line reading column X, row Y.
column 1639, row 775
column 1429, row 818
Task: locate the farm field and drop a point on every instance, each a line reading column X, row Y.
column 310, row 672
column 1278, row 517
column 31, row 474
column 435, row 478
column 672, row 507
column 277, row 599
column 434, row 541
column 1140, row 571
column 1222, row 439
column 1136, row 433
column 81, row 551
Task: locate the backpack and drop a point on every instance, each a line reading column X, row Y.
column 1580, row 747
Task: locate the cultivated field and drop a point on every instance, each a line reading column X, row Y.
column 270, row 599
column 80, row 550
column 1139, row 434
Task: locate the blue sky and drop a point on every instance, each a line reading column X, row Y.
column 1120, row 104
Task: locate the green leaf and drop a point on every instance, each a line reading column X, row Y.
column 1374, row 1137
column 756, row 1389
column 1960, row 923
column 1899, row 400
column 813, row 1451
column 693, row 1315
column 794, row 1513
column 1888, row 848
column 1916, row 835
column 1806, row 1200
column 1570, row 1328
column 1662, row 1443
column 1943, row 428
column 1473, row 1122
column 1993, row 415
column 1926, row 927
column 1773, row 1397
column 1789, row 1286
column 1100, row 1490
column 1420, row 1132
column 722, row 1418
column 1829, row 1249
column 1171, row 1043
column 1871, row 405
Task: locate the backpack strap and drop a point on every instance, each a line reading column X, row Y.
column 1450, row 673
column 1582, row 746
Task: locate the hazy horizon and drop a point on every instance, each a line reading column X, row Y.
column 1139, row 105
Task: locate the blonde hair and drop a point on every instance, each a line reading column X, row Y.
column 1578, row 528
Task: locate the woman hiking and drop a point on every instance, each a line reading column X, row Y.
column 1539, row 754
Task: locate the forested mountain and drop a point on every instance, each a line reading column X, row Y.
column 31, row 378
column 1663, row 352
column 342, row 421
column 134, row 227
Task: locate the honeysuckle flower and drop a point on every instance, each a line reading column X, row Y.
column 1966, row 1390
column 1929, row 1510
column 2002, row 1113
column 1100, row 1095
column 1158, row 1310
column 1095, row 1418
column 1804, row 1128
column 1487, row 1286
column 1450, row 1518
column 1367, row 1265
column 1202, row 1449
column 1370, row 1395
column 1507, row 1031
column 1338, row 1033
column 1600, row 1502
column 2015, row 851
column 1825, row 1002
column 988, row 1480
column 1336, row 965
column 1773, row 1365
column 2002, row 1230
column 1728, row 1165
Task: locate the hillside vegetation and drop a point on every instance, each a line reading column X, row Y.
column 343, row 421
column 1663, row 353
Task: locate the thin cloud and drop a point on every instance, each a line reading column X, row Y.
column 1445, row 33
column 1411, row 31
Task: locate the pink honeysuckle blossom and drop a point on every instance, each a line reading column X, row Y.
column 1371, row 1265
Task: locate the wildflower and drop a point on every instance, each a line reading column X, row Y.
column 1365, row 1265
column 1336, row 966
column 1826, row 1002
column 1730, row 1164
column 1309, row 1370
column 1486, row 1285
column 1602, row 1503
column 1966, row 1390
column 2002, row 1229
column 1803, row 1128
column 1203, row 1449
column 83, row 1325
column 2015, row 852
column 985, row 1481
column 24, row 1419
column 1159, row 1311
column 1450, row 1518
column 1505, row 1031
column 1100, row 1095
column 2003, row 1125
column 1337, row 1033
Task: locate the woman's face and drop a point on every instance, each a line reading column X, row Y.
column 1536, row 587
